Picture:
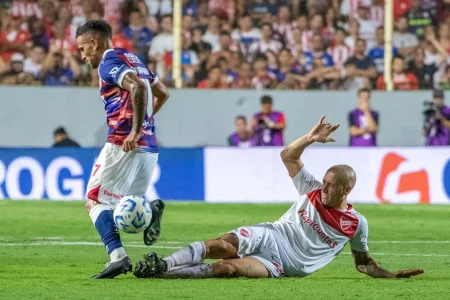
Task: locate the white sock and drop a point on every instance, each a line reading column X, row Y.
column 190, row 255
column 117, row 254
column 196, row 271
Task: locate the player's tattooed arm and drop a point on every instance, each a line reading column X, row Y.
column 138, row 92
column 367, row 265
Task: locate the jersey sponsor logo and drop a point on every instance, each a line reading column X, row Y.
column 108, row 193
column 400, row 179
column 345, row 223
column 115, row 70
column 317, row 228
column 142, row 71
column 132, row 58
column 245, row 233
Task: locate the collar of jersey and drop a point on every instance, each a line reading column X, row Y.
column 106, row 52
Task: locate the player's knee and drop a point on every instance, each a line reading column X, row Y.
column 89, row 205
column 225, row 269
column 231, row 240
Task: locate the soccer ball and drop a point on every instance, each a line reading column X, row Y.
column 132, row 214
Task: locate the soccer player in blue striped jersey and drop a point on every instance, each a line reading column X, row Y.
column 132, row 95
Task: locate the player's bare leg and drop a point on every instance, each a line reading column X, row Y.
column 238, row 267
column 224, row 247
column 102, row 217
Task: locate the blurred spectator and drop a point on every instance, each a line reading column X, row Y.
column 283, row 24
column 15, row 69
column 316, row 29
column 241, row 137
column 54, row 72
column 162, row 43
column 401, row 7
column 363, row 122
column 118, row 37
column 266, row 42
column 353, row 34
column 159, row 7
column 33, row 64
column 339, row 51
column 286, row 67
column 363, row 68
column 268, row 125
column 437, row 121
column 317, row 51
column 405, row 41
column 37, row 32
column 139, row 34
column 62, row 139
column 12, row 39
column 376, row 54
column 377, row 11
column 418, row 19
column 246, row 35
column 367, row 27
column 263, row 78
column 259, row 8
column 349, row 8
column 211, row 35
column 244, row 80
column 401, row 79
column 424, row 72
column 232, row 33
column 225, row 9
column 215, row 79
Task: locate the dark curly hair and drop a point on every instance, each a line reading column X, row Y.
column 95, row 26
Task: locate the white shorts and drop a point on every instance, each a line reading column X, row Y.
column 117, row 173
column 259, row 242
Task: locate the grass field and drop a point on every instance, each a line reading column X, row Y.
column 49, row 250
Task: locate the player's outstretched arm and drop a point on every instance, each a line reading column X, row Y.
column 161, row 94
column 292, row 152
column 365, row 264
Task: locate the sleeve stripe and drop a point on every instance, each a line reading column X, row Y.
column 122, row 75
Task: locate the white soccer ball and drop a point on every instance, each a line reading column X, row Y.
column 132, row 214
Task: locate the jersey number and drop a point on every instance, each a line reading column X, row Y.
column 96, row 167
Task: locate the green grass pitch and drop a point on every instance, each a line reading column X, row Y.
column 49, row 250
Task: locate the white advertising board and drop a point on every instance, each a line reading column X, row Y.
column 384, row 175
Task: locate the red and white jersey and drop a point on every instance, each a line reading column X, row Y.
column 350, row 7
column 315, row 233
column 377, row 14
column 263, row 82
column 25, row 9
column 340, row 54
column 262, row 47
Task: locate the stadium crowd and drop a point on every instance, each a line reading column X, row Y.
column 254, row 44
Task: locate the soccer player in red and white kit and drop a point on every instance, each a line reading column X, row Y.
column 305, row 239
column 126, row 162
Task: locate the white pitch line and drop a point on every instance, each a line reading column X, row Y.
column 79, row 244
column 410, row 242
column 404, row 254
column 55, row 243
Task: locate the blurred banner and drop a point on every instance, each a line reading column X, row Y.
column 62, row 174
column 255, row 175
column 384, row 175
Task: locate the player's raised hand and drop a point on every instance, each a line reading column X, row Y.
column 408, row 273
column 320, row 133
column 130, row 142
